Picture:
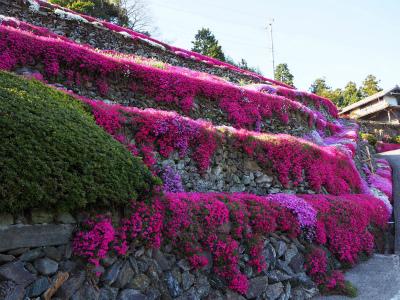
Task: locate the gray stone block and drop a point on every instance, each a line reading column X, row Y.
column 15, row 271
column 17, row 236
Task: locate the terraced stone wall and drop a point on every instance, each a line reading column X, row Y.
column 102, row 38
column 36, row 260
column 379, row 129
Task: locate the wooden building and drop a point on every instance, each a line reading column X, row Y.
column 382, row 107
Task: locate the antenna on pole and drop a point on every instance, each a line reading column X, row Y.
column 272, row 45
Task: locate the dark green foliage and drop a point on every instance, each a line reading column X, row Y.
column 206, row 44
column 370, row 86
column 282, row 74
column 321, row 88
column 244, row 66
column 396, row 139
column 53, row 155
column 350, row 94
column 372, row 140
column 350, row 290
column 103, row 9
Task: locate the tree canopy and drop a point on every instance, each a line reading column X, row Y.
column 103, row 9
column 350, row 94
column 206, row 44
column 282, row 74
column 370, row 86
column 321, row 88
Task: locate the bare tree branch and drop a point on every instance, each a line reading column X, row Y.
column 139, row 15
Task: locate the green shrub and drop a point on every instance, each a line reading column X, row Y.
column 396, row 139
column 350, row 290
column 369, row 137
column 53, row 155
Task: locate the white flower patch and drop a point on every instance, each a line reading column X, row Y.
column 98, row 25
column 315, row 137
column 33, row 5
column 154, row 44
column 4, row 18
column 69, row 16
column 125, row 34
column 381, row 196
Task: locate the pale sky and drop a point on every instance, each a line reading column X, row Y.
column 342, row 40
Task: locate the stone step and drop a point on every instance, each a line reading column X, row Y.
column 21, row 236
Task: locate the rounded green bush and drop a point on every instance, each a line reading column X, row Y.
column 53, row 155
column 372, row 140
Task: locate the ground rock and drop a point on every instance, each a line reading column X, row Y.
column 5, row 258
column 38, row 287
column 69, row 287
column 140, row 282
column 108, row 293
column 9, row 290
column 130, row 294
column 125, row 275
column 172, row 285
column 15, row 271
column 273, row 291
column 46, row 266
column 111, row 274
column 257, row 286
column 32, row 254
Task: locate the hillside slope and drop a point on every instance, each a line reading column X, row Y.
column 244, row 212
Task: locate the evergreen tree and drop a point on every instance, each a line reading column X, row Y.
column 283, row 74
column 370, row 86
column 244, row 66
column 351, row 94
column 321, row 88
column 206, row 44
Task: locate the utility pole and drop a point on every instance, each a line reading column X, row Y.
column 272, row 46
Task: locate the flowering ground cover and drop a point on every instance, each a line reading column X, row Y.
column 69, row 14
column 218, row 223
column 383, row 147
column 381, row 179
column 72, row 64
column 214, row 227
column 308, row 99
column 294, row 160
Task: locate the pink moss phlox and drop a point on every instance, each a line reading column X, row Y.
column 306, row 214
column 178, row 51
column 300, row 96
column 172, row 181
column 344, row 136
column 203, row 226
column 93, row 242
column 40, row 31
column 157, row 131
column 148, row 131
column 317, row 267
column 65, row 60
column 382, row 178
column 323, row 166
column 343, row 223
column 383, row 147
